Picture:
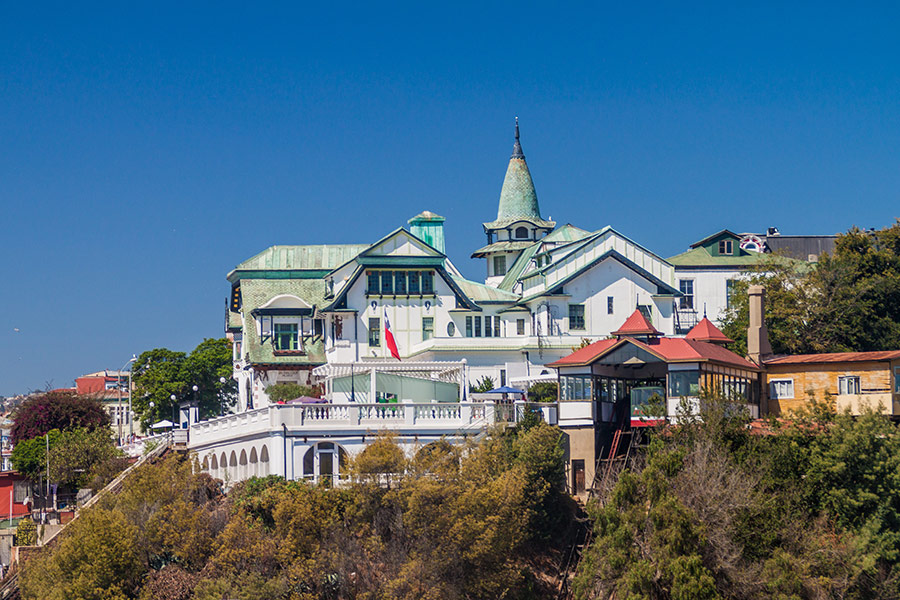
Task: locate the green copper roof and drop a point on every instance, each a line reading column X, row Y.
column 480, row 292
column 255, row 293
column 296, row 258
column 504, row 246
column 700, row 257
column 518, row 200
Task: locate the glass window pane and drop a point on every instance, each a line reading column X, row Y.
column 400, row 282
column 387, row 282
column 413, row 282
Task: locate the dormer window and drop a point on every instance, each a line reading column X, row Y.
column 521, row 233
column 726, row 247
column 285, row 337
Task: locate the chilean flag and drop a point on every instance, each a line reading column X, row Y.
column 389, row 338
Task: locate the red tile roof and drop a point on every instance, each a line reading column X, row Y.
column 668, row 349
column 636, row 324
column 834, row 357
column 586, row 355
column 705, row 331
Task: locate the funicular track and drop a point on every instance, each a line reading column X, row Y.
column 622, row 449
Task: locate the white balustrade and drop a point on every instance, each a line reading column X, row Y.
column 431, row 416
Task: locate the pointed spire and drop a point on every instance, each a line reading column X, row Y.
column 517, row 147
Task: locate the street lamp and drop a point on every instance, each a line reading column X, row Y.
column 222, row 381
column 172, row 397
column 195, row 406
column 119, row 393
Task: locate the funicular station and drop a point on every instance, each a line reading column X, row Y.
column 608, row 389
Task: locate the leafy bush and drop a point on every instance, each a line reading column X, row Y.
column 543, row 391
column 282, row 392
column 56, row 410
column 485, row 384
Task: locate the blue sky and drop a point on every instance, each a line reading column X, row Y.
column 146, row 150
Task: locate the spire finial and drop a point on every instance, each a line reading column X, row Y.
column 704, row 310
column 517, row 147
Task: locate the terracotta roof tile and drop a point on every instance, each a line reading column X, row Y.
column 705, row 331
column 834, row 357
column 636, row 324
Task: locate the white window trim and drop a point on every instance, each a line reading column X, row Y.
column 847, row 377
column 772, row 393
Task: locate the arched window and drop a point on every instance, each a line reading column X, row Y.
column 521, row 232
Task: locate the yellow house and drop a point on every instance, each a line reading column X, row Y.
column 853, row 379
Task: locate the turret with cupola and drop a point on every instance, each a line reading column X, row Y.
column 519, row 223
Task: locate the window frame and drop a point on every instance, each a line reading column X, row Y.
column 488, row 326
column 375, row 332
column 610, row 305
column 844, row 386
column 278, row 336
column 687, row 299
column 476, row 321
column 726, row 247
column 520, row 326
column 577, row 322
column 427, row 328
column 774, row 395
column 501, row 260
column 469, row 328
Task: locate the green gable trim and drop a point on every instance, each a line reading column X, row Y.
column 400, row 261
column 238, row 274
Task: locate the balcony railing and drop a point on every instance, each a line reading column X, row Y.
column 425, row 417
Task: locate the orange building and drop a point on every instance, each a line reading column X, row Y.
column 854, row 380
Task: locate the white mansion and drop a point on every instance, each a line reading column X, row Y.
column 320, row 313
column 294, row 308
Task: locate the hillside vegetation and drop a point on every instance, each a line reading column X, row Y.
column 452, row 522
column 806, row 509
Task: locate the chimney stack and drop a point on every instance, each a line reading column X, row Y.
column 758, row 345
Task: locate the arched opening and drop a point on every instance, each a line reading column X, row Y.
column 214, row 467
column 233, row 466
column 223, row 467
column 242, row 466
column 264, row 461
column 254, row 463
column 521, row 233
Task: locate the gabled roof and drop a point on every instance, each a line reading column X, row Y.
column 480, row 292
column 424, row 247
column 669, row 350
column 636, row 324
column 705, row 331
column 835, row 357
column 709, row 238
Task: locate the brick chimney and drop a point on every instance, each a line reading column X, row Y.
column 758, row 346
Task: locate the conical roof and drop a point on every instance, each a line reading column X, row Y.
column 518, row 199
column 636, row 324
column 705, row 331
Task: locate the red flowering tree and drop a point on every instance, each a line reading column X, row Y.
column 61, row 410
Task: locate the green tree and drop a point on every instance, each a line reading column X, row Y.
column 161, row 373
column 29, row 457
column 848, row 301
column 82, row 458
